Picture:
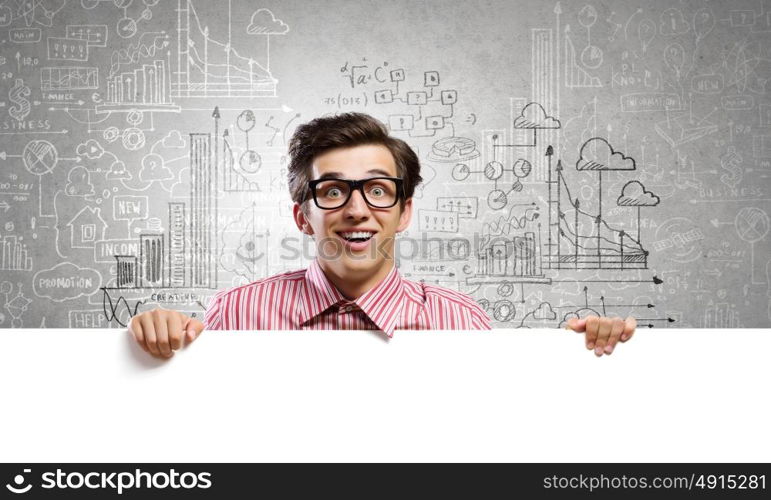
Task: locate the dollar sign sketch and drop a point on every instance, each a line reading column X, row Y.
column 731, row 162
column 17, row 94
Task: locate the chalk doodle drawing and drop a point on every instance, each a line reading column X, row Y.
column 578, row 158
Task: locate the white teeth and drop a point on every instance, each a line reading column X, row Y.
column 357, row 234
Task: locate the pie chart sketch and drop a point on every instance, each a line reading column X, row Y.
column 751, row 224
column 250, row 161
column 497, row 199
column 39, row 157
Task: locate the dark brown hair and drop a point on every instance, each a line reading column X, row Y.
column 345, row 130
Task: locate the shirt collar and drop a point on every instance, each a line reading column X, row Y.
column 319, row 294
column 382, row 303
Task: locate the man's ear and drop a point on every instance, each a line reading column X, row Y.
column 406, row 216
column 301, row 220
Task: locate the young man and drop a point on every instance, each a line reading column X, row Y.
column 352, row 187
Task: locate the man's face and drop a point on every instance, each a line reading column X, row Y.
column 332, row 229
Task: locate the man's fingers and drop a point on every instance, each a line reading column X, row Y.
column 135, row 327
column 629, row 327
column 576, row 324
column 616, row 329
column 148, row 329
column 603, row 334
column 162, row 333
column 591, row 331
column 193, row 329
column 175, row 330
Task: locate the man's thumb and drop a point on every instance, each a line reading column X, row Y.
column 193, row 329
column 576, row 324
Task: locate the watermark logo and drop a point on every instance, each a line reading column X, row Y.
column 18, row 482
column 119, row 482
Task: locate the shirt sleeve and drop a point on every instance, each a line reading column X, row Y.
column 479, row 318
column 213, row 318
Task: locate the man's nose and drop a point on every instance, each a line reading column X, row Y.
column 356, row 206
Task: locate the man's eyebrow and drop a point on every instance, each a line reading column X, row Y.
column 379, row 171
column 339, row 175
column 331, row 175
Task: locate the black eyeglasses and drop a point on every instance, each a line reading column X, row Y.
column 378, row 192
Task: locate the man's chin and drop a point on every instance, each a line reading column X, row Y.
column 363, row 265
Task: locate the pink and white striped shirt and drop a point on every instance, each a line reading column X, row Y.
column 306, row 300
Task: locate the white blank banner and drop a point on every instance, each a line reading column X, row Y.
column 508, row 395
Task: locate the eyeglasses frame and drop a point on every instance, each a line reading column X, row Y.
column 358, row 184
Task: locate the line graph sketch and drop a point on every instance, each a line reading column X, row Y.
column 208, row 66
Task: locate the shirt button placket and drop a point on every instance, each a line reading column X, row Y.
column 343, row 319
column 340, row 317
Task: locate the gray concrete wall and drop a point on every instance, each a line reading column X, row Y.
column 578, row 157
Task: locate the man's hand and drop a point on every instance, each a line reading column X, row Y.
column 602, row 334
column 160, row 332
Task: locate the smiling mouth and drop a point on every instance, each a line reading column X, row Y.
column 356, row 236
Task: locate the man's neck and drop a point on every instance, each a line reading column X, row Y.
column 353, row 287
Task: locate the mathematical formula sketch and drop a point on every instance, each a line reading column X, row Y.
column 579, row 158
